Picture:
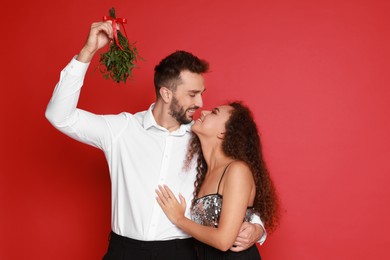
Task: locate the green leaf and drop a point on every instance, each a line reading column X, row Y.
column 116, row 63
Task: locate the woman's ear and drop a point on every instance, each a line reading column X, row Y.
column 166, row 94
column 221, row 136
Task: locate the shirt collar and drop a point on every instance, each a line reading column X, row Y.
column 150, row 121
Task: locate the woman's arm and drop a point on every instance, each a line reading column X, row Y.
column 237, row 186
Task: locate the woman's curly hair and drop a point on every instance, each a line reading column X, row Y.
column 242, row 142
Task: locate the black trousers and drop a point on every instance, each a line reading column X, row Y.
column 206, row 252
column 123, row 248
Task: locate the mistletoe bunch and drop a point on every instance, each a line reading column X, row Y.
column 118, row 62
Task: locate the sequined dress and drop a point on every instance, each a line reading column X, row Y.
column 206, row 211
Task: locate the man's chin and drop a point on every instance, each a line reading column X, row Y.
column 187, row 120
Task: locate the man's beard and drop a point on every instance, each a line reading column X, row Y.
column 178, row 112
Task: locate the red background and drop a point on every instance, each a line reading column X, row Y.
column 315, row 73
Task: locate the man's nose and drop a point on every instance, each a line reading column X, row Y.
column 199, row 102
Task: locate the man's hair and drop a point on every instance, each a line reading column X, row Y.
column 167, row 72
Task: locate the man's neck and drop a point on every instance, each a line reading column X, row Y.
column 163, row 118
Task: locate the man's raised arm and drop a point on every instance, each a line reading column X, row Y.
column 62, row 111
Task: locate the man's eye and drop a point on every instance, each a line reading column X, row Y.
column 192, row 95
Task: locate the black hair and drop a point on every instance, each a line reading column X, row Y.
column 167, row 72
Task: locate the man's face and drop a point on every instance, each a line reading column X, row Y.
column 188, row 97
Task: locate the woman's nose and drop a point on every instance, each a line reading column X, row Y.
column 204, row 112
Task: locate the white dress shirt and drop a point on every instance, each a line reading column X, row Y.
column 140, row 155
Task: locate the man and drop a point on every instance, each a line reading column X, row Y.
column 143, row 150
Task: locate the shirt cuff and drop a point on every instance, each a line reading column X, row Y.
column 256, row 220
column 77, row 68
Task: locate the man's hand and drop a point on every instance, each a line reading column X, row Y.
column 248, row 235
column 100, row 34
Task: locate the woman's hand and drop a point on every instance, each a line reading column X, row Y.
column 170, row 205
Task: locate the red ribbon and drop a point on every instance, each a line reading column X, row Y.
column 121, row 21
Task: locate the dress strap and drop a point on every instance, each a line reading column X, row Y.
column 223, row 175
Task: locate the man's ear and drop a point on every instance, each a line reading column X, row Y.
column 166, row 94
column 221, row 136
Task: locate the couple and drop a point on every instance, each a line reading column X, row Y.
column 148, row 149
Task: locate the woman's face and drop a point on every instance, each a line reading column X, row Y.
column 212, row 123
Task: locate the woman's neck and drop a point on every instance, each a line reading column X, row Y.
column 214, row 156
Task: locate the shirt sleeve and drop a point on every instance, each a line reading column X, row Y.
column 63, row 114
column 256, row 220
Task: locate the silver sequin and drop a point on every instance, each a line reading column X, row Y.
column 207, row 210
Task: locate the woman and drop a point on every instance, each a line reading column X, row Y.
column 231, row 169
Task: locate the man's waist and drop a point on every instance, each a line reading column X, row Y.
column 161, row 233
column 150, row 243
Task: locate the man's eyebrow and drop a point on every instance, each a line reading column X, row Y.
column 195, row 91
